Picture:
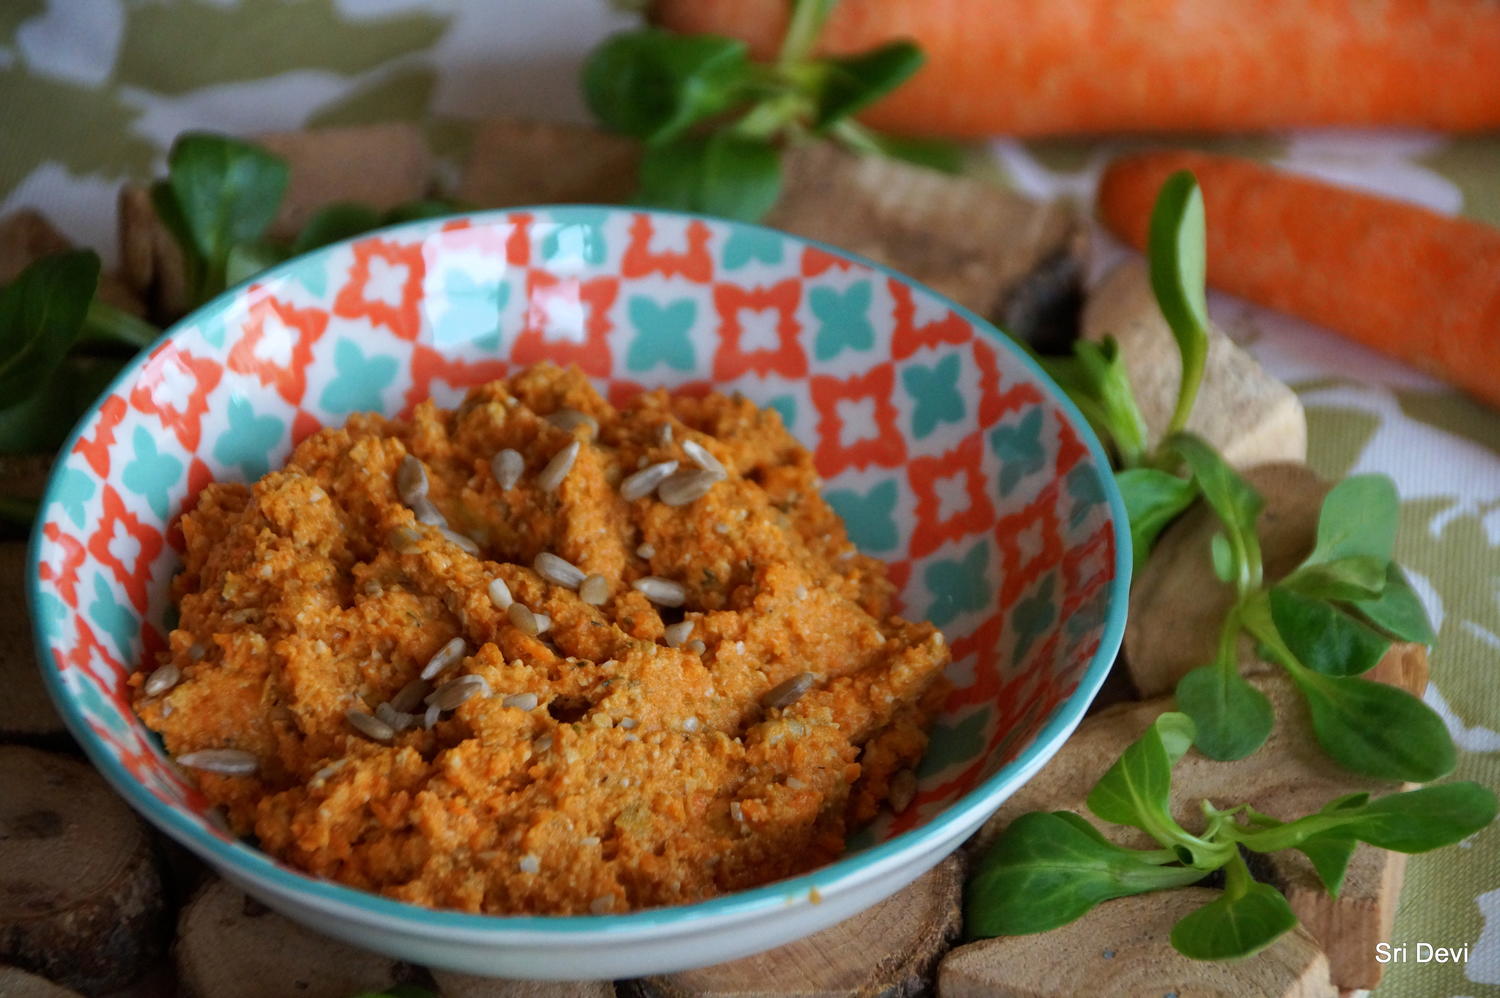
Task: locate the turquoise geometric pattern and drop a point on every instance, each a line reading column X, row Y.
column 661, row 334
column 936, row 392
column 868, row 517
column 843, row 319
column 358, row 382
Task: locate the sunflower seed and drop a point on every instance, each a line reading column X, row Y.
column 644, row 482
column 523, row 619
column 676, row 634
column 196, row 651
column 227, row 761
column 451, row 652
column 410, row 696
column 792, row 783
column 662, row 592
column 542, row 744
column 664, row 434
column 454, row 537
column 163, row 679
column 646, row 551
column 458, row 691
column 691, row 724
column 594, row 590
column 567, row 419
column 411, row 480
column 426, row 512
column 543, row 622
column 530, row 863
column 685, row 486
column 388, row 714
column 406, row 540
column 507, row 466
column 627, row 723
column 696, row 647
column 321, row 776
column 558, row 571
column 500, row 594
column 903, row 790
column 700, row 456
column 602, row 905
column 431, row 717
column 520, row 701
column 787, row 692
column 557, row 469
column 371, row 727
column 589, row 840
column 736, row 811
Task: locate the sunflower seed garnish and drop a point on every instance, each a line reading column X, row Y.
column 520, row 701
column 507, row 466
column 225, row 761
column 736, row 811
column 388, row 714
column 163, row 679
column 903, row 790
column 454, row 537
column 458, row 691
column 543, row 622
column 558, row 571
column 662, row 592
column 700, row 456
column 427, row 512
column 664, row 434
column 696, row 647
column 411, row 480
column 685, row 486
column 677, row 633
column 602, row 905
column 371, row 727
column 451, row 652
column 410, row 696
column 643, row 482
column 500, row 594
column 787, row 692
column 431, row 717
column 530, row 863
column 594, row 590
column 568, row 419
column 523, row 619
column 557, row 469
column 646, row 551
column 691, row 724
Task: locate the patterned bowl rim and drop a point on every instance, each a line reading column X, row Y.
column 371, row 909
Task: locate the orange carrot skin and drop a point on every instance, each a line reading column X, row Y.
column 1419, row 286
column 1054, row 67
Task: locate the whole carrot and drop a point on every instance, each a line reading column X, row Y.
column 1422, row 287
column 1029, row 67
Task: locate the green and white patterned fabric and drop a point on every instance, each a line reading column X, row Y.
column 92, row 92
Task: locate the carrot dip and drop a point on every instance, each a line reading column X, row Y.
column 541, row 655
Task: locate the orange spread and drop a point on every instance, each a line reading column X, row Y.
column 611, row 760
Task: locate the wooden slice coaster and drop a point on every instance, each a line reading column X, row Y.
column 16, row 983
column 80, row 893
column 26, row 712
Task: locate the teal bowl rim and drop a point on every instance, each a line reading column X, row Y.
column 370, row 908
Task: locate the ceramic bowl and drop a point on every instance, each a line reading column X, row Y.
column 946, row 450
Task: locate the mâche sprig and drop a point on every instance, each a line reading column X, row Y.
column 1049, row 868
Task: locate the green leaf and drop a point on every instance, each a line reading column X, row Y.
column 224, row 192
column 655, row 84
column 852, row 83
column 1153, row 499
column 1330, row 855
column 1424, row 819
column 1323, row 637
column 334, row 222
column 40, row 423
column 248, row 259
column 423, row 209
column 1232, row 498
column 1232, row 718
column 1176, row 248
column 399, row 991
column 1355, row 577
column 1136, row 790
column 1234, row 926
column 106, row 324
column 934, row 154
column 723, row 174
column 1358, row 517
column 1398, row 610
column 41, row 314
column 1375, row 729
column 1095, row 378
column 1046, row 870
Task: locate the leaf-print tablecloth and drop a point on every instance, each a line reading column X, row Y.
column 92, row 92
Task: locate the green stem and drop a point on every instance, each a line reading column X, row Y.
column 105, row 324
column 1187, row 394
column 1237, row 879
column 856, row 136
column 802, row 31
column 771, row 117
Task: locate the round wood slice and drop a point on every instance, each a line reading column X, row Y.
column 81, row 899
column 1122, row 948
column 26, row 712
column 16, row 983
column 451, row 985
column 231, row 946
column 888, row 950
